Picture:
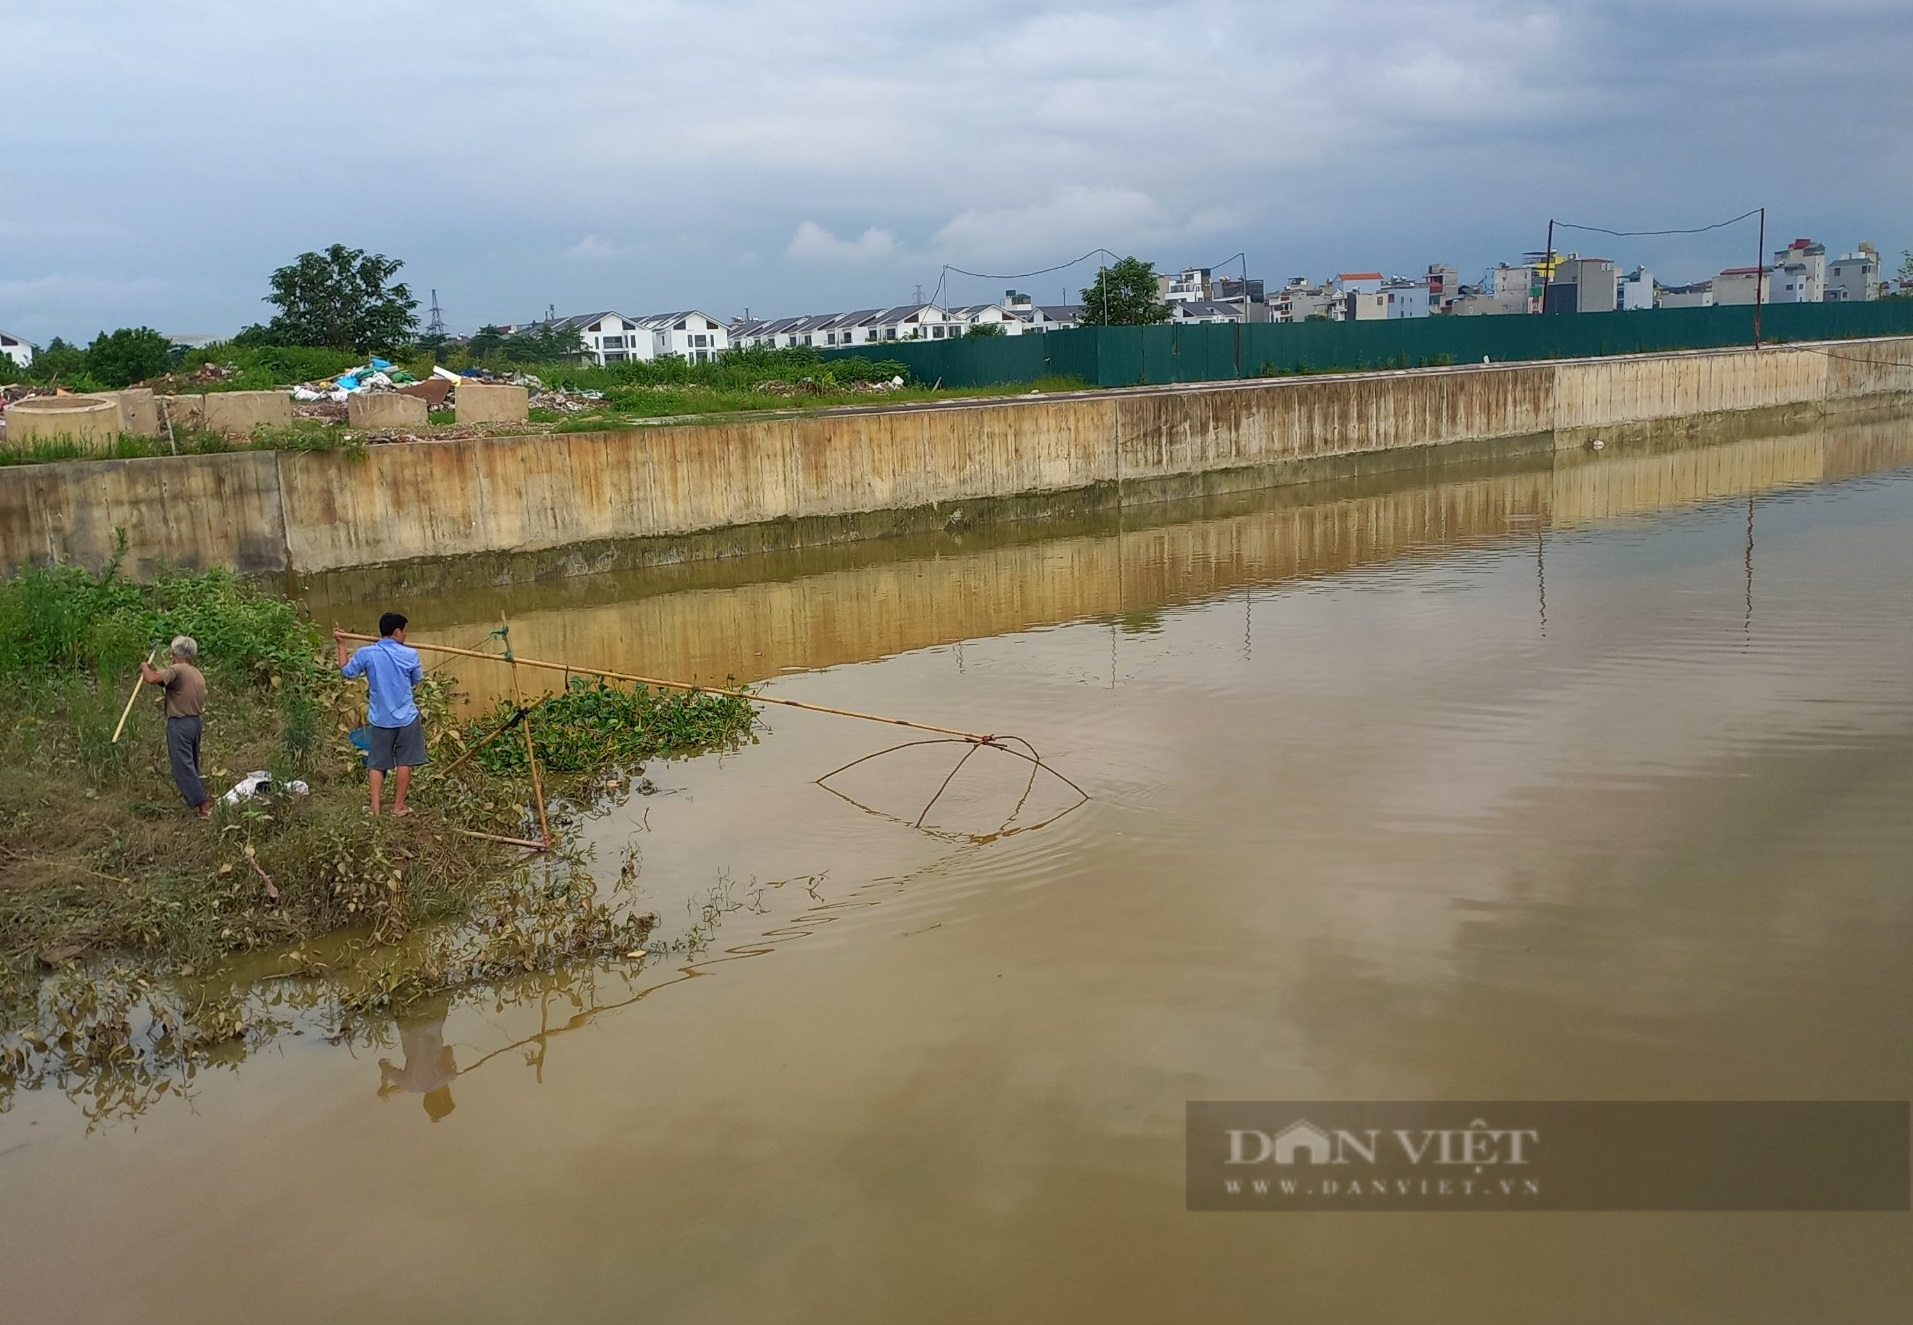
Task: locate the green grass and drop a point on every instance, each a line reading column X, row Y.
column 116, row 906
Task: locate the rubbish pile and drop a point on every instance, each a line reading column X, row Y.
column 560, row 401
column 374, row 375
column 207, row 374
column 812, row 386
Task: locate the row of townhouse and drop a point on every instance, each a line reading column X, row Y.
column 611, row 337
column 1017, row 315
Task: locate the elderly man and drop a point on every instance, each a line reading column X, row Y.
column 185, row 704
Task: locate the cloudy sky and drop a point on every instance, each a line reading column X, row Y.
column 790, row 157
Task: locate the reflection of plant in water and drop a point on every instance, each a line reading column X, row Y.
column 119, row 1039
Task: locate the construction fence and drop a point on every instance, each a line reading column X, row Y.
column 1163, row 354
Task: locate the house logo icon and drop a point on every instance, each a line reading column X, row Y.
column 1305, row 1137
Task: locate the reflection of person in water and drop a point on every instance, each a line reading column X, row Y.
column 429, row 1065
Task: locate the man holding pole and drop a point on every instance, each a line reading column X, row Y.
column 390, row 670
column 185, row 724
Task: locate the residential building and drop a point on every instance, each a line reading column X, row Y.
column 1230, row 289
column 1854, row 277
column 1698, row 295
column 15, row 348
column 1513, row 289
column 1737, row 285
column 1792, row 283
column 1635, row 291
column 1583, row 285
column 1360, row 305
column 1298, row 301
column 1193, row 283
column 691, row 335
column 1052, row 317
column 1204, row 310
column 1404, row 298
column 608, row 337
column 1444, row 287
column 1810, row 281
column 985, row 315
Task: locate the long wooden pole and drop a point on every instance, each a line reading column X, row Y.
column 697, row 689
column 1760, row 272
column 531, row 752
column 127, row 712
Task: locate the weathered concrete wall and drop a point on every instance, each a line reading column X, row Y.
column 843, row 609
column 384, row 409
column 187, row 511
column 822, row 476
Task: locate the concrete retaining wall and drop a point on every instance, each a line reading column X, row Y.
column 187, row 511
column 824, row 475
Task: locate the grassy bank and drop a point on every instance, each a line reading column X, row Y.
column 122, row 917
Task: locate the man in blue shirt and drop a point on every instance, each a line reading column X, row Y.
column 398, row 737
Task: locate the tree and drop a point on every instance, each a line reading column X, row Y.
column 57, row 362
column 129, row 355
column 486, row 342
column 985, row 329
column 1124, row 295
column 341, row 300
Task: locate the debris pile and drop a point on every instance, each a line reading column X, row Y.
column 561, row 401
column 374, row 375
column 812, row 386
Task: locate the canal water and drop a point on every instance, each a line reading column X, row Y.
column 1581, row 780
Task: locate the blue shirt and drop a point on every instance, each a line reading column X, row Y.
column 390, row 671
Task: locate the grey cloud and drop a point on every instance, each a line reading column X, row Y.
column 630, row 154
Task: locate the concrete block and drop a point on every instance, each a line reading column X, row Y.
column 186, row 412
column 87, row 420
column 490, row 402
column 237, row 413
column 139, row 411
column 432, row 391
column 382, row 410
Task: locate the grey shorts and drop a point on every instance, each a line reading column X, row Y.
column 397, row 747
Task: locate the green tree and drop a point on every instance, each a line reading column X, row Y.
column 1124, row 295
column 486, row 343
column 341, row 299
column 985, row 329
column 57, row 362
column 543, row 344
column 129, row 355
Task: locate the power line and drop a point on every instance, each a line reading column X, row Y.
column 1631, row 234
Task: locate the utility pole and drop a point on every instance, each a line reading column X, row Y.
column 1547, row 266
column 1760, row 273
column 436, row 327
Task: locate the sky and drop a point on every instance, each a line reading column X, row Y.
column 788, row 157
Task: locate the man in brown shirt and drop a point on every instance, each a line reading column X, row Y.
column 185, row 703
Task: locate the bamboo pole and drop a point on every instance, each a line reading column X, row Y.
column 509, row 841
column 697, row 689
column 131, row 699
column 531, row 753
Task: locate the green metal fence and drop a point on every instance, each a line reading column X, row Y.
column 1132, row 356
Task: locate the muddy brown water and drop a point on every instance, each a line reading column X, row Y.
column 1575, row 781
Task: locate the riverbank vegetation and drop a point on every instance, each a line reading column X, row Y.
column 126, row 925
